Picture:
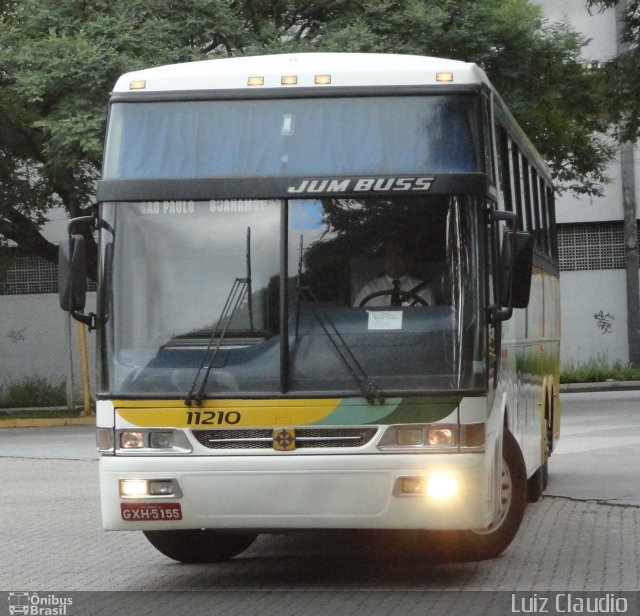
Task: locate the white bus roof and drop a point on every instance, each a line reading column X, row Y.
column 322, row 70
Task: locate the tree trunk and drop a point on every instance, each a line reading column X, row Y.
column 630, row 221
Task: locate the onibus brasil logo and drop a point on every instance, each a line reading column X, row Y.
column 38, row 604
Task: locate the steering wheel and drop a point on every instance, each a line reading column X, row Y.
column 405, row 296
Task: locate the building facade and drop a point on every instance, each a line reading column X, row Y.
column 595, row 315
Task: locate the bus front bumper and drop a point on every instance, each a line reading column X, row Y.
column 398, row 491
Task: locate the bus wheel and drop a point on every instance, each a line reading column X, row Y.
column 199, row 546
column 536, row 484
column 492, row 541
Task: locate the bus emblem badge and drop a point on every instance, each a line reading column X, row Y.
column 284, row 439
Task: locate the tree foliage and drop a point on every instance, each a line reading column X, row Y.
column 58, row 61
column 622, row 77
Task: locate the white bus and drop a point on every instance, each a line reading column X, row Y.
column 328, row 299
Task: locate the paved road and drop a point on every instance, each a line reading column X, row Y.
column 53, row 442
column 583, row 536
column 598, row 455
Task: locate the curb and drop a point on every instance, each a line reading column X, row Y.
column 604, row 386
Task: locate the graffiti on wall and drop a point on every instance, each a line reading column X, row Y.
column 17, row 335
column 604, row 321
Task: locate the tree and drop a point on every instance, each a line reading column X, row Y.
column 622, row 78
column 537, row 67
column 58, row 62
column 623, row 83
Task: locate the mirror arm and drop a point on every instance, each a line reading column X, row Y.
column 80, row 222
column 88, row 319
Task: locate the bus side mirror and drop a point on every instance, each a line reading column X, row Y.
column 72, row 278
column 516, row 259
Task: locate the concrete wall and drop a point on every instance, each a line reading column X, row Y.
column 594, row 317
column 34, row 340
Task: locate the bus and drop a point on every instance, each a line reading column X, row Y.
column 328, row 298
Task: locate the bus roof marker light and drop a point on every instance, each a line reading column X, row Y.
column 289, row 80
column 444, row 77
column 322, row 80
column 255, row 81
column 138, row 84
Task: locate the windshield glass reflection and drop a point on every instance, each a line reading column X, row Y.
column 379, row 296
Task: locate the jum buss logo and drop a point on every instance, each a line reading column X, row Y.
column 36, row 604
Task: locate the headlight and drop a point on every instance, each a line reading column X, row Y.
column 153, row 441
column 133, row 487
column 440, row 436
column 441, row 486
column 132, row 440
column 161, row 440
column 409, row 436
column 138, row 488
column 434, row 437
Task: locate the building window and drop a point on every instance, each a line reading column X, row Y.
column 25, row 274
column 591, row 246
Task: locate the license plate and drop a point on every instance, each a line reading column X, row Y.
column 150, row 512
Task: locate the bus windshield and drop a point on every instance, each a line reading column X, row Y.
column 349, row 297
column 294, row 137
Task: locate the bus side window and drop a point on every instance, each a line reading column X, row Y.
column 517, row 184
column 505, row 187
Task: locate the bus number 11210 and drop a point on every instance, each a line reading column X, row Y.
column 212, row 418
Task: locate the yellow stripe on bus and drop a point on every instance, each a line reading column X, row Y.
column 225, row 413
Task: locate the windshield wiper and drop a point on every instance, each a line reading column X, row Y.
column 234, row 300
column 240, row 289
column 369, row 388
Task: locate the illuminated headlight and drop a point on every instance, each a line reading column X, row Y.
column 441, row 486
column 426, row 437
column 437, row 435
column 434, row 437
column 132, row 440
column 437, row 486
column 153, row 441
column 138, row 488
column 133, row 487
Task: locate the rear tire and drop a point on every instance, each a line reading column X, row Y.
column 199, row 546
column 537, row 483
column 545, row 475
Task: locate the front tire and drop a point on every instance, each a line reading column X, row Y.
column 490, row 542
column 199, row 546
